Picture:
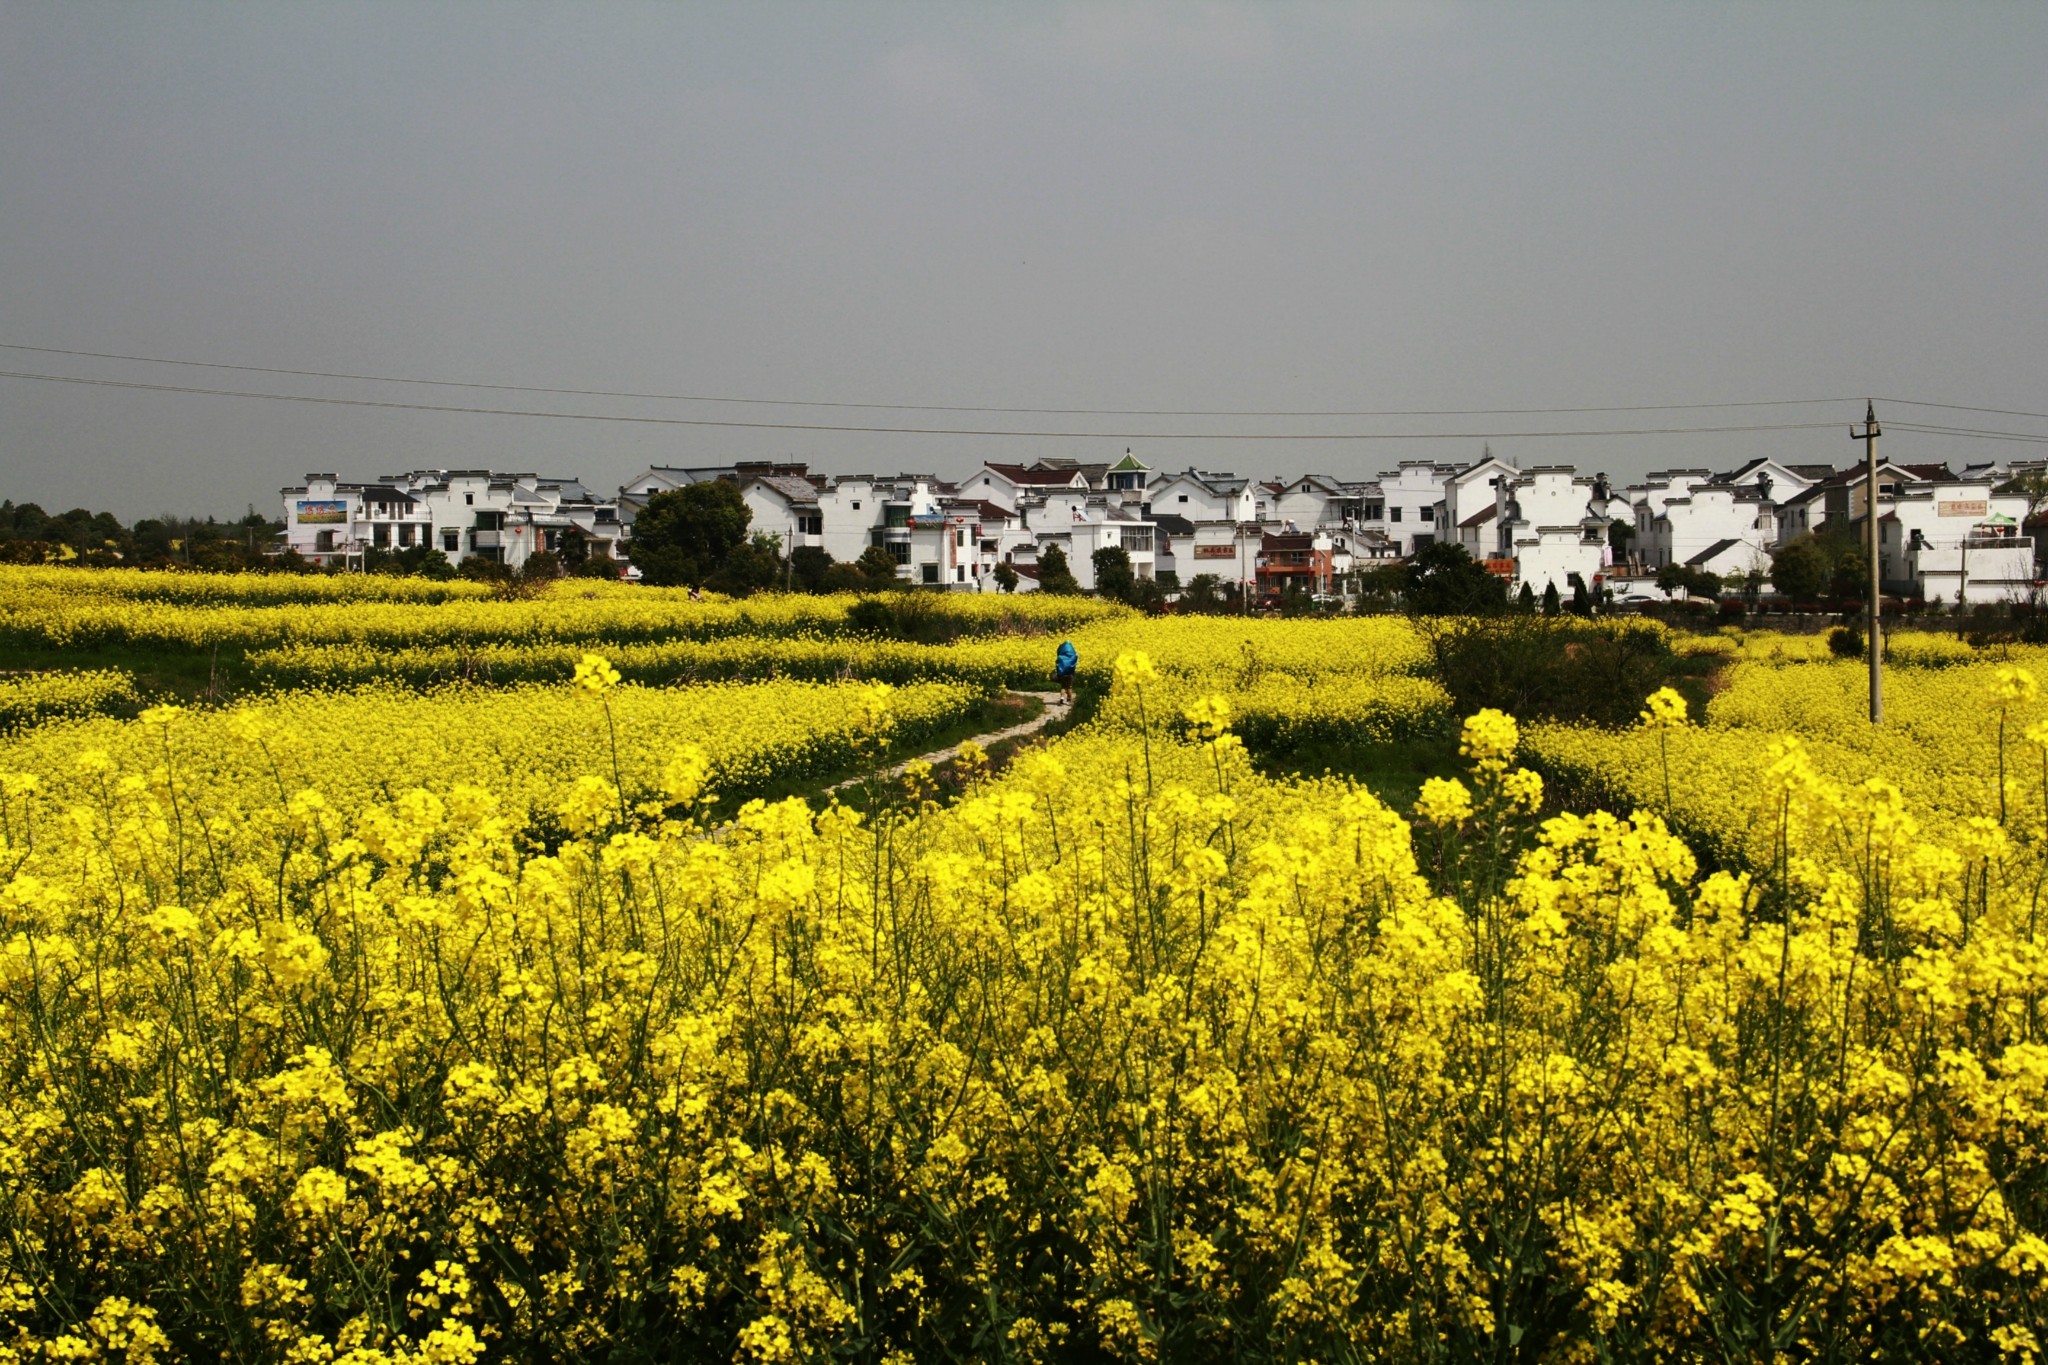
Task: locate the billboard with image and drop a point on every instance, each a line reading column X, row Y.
column 312, row 513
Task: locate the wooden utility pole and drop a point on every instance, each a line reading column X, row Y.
column 1871, row 431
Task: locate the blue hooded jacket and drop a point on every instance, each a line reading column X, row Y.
column 1068, row 659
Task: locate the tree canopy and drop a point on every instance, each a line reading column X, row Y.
column 1053, row 574
column 685, row 534
column 1798, row 570
column 1444, row 580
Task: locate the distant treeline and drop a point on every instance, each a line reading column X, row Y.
column 29, row 535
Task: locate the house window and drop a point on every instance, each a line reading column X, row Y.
column 960, row 536
column 1182, row 498
column 959, row 573
column 451, row 541
column 1393, row 514
column 899, row 550
column 469, row 499
column 856, row 504
column 931, row 573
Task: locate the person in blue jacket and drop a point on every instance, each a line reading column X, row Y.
column 1063, row 665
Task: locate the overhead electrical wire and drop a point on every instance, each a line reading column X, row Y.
column 906, row 431
column 921, row 407
column 1972, row 432
column 1935, row 429
column 1960, row 407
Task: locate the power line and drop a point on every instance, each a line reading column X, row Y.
column 909, row 431
column 1973, row 432
column 1963, row 407
column 905, row 431
column 919, row 407
column 902, row 431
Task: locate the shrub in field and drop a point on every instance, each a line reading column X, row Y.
column 1549, row 666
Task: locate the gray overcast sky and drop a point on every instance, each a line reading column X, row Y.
column 1116, row 205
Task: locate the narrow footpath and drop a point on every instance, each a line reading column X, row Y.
column 1053, row 710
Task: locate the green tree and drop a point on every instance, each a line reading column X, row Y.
column 1147, row 595
column 1525, row 600
column 1203, row 593
column 542, row 566
column 748, row 568
column 1695, row 582
column 1113, row 577
column 1619, row 535
column 1444, row 580
column 808, row 565
column 1851, row 577
column 1550, row 598
column 1006, row 578
column 684, row 534
column 877, row 568
column 844, row 578
column 1798, row 571
column 1053, row 574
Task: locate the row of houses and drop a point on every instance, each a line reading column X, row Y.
column 460, row 512
column 1943, row 534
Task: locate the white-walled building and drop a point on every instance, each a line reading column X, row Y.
column 1955, row 538
column 1714, row 527
column 1469, row 505
column 1311, row 501
column 462, row 512
column 1204, row 497
column 1408, row 503
column 331, row 523
column 786, row 507
column 1552, row 521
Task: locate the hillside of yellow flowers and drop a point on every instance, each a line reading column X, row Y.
column 370, row 1022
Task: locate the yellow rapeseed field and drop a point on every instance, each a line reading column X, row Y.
column 1128, row 1053
column 42, row 607
column 30, row 698
column 523, row 744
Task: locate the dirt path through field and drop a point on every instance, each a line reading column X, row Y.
column 1054, row 710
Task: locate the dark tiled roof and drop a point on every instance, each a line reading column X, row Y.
column 1018, row 474
column 1706, row 556
column 796, row 490
column 1482, row 516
